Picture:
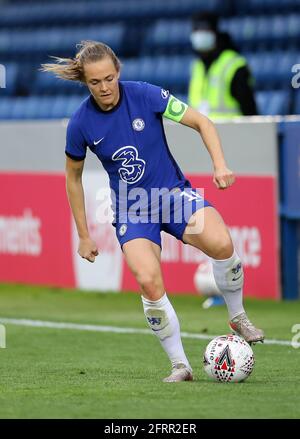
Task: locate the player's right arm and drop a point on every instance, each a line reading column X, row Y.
column 87, row 248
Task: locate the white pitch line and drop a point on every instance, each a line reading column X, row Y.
column 115, row 329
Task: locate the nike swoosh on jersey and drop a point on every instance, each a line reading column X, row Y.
column 96, row 143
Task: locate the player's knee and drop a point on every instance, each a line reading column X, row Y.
column 223, row 249
column 150, row 283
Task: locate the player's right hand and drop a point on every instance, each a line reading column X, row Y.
column 88, row 249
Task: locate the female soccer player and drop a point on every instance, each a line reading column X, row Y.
column 121, row 122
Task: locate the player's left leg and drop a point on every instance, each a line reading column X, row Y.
column 207, row 232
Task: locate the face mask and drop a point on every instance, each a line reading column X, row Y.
column 203, row 40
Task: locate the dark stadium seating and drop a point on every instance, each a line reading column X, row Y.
column 168, row 71
column 249, row 33
column 265, row 6
column 58, row 39
column 152, row 37
column 275, row 31
column 168, row 34
column 272, row 70
column 38, row 107
column 101, row 11
column 46, row 83
column 273, row 102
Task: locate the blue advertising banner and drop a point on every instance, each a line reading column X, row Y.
column 290, row 206
column 290, row 168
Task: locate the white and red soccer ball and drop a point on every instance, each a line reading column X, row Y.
column 228, row 358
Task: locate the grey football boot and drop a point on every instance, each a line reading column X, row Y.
column 242, row 326
column 180, row 372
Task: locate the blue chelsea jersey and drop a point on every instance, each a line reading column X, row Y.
column 129, row 139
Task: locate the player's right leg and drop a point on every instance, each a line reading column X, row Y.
column 143, row 258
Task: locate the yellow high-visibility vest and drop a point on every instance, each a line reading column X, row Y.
column 211, row 89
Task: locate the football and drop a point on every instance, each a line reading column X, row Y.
column 204, row 280
column 228, row 358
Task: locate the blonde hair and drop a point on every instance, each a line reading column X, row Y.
column 88, row 52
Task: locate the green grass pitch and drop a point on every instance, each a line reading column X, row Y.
column 63, row 373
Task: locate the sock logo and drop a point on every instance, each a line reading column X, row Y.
column 158, row 321
column 237, row 272
column 154, row 320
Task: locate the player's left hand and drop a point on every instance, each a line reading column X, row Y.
column 223, row 177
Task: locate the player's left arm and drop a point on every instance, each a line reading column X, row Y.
column 182, row 113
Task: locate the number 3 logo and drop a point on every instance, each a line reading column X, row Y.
column 132, row 168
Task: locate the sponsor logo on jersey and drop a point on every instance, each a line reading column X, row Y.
column 164, row 93
column 122, row 229
column 138, row 124
column 132, row 168
column 98, row 141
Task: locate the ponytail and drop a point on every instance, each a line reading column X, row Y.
column 72, row 68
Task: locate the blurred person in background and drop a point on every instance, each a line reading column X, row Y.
column 221, row 85
column 129, row 113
